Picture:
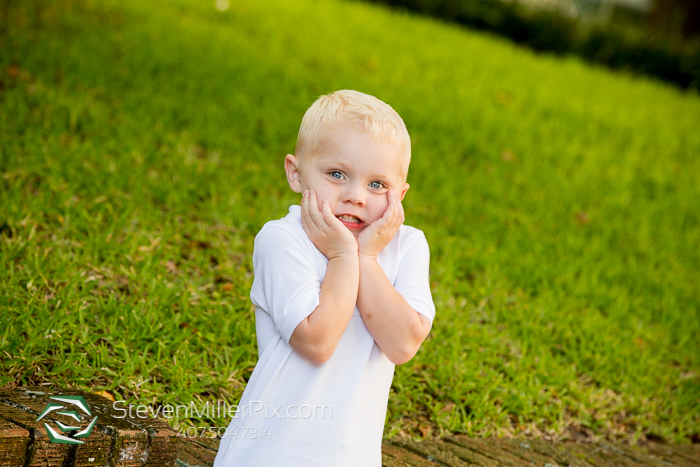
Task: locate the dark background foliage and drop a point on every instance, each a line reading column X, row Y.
column 663, row 43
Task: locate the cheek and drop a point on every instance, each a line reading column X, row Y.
column 326, row 192
column 379, row 208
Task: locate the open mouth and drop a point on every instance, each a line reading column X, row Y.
column 349, row 221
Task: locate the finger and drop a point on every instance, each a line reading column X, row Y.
column 399, row 208
column 383, row 222
column 305, row 220
column 304, row 207
column 395, row 221
column 402, row 214
column 314, row 211
column 392, row 204
column 327, row 213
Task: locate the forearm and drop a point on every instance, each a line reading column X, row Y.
column 397, row 328
column 317, row 336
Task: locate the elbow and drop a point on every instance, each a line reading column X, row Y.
column 319, row 357
column 408, row 350
column 318, row 353
column 403, row 355
column 312, row 345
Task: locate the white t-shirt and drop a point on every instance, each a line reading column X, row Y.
column 294, row 412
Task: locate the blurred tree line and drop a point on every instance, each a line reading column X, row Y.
column 677, row 18
column 663, row 42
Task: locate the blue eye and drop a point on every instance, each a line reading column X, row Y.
column 376, row 185
column 337, row 175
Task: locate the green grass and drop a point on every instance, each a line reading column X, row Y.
column 142, row 149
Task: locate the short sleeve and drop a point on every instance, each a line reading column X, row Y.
column 413, row 277
column 286, row 284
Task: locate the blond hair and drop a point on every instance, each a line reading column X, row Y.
column 371, row 115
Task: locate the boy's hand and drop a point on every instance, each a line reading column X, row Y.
column 379, row 233
column 329, row 235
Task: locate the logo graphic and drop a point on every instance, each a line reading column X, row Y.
column 80, row 403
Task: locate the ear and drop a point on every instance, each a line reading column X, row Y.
column 291, row 166
column 405, row 188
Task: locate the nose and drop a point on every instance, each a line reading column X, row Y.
column 354, row 194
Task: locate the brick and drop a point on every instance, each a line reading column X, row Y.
column 13, row 444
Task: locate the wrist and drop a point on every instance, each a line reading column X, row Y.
column 348, row 255
column 364, row 256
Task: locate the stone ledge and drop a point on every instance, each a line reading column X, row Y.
column 124, row 442
column 461, row 451
column 118, row 442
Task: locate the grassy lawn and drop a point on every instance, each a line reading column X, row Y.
column 141, row 150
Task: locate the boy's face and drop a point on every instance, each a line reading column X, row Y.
column 353, row 172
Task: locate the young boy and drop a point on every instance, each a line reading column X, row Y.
column 341, row 295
